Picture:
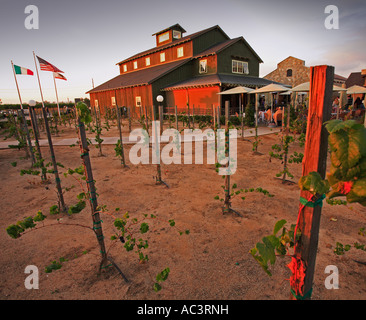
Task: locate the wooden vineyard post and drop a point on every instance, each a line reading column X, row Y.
column 14, row 123
column 241, row 115
column 315, row 156
column 284, row 138
column 24, row 128
column 28, row 136
column 256, row 121
column 218, row 117
column 129, row 119
column 170, row 122
column 33, row 115
column 193, row 117
column 54, row 163
column 241, row 108
column 97, row 226
column 242, row 123
column 119, row 124
column 146, row 120
column 95, row 116
column 39, row 118
column 97, row 222
column 214, row 117
column 38, row 154
column 188, row 117
column 227, row 204
column 227, row 177
column 176, row 117
column 99, row 117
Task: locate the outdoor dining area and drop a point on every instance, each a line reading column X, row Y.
column 348, row 103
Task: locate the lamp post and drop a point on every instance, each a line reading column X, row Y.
column 160, row 100
column 156, row 144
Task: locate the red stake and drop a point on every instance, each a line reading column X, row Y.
column 315, row 157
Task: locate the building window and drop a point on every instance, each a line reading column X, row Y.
column 135, row 64
column 177, row 34
column 180, row 52
column 240, row 67
column 124, row 67
column 203, row 66
column 163, row 37
column 289, row 73
column 96, row 103
column 162, row 57
column 113, row 101
column 138, row 101
column 147, row 61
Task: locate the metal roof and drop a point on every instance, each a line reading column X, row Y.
column 172, row 44
column 221, row 80
column 176, row 26
column 140, row 77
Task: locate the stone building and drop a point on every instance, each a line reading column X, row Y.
column 292, row 71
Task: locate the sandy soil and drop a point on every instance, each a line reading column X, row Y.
column 212, row 262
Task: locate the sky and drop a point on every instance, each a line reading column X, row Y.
column 86, row 38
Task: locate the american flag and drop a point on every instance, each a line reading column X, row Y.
column 46, row 66
column 59, row 76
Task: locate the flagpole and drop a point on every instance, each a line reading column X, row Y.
column 58, row 107
column 50, row 144
column 23, row 117
column 16, row 82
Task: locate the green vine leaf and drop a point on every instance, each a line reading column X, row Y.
column 347, row 176
column 144, row 227
column 314, row 183
column 83, row 113
column 278, row 226
column 77, row 208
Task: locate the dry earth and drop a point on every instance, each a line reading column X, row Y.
column 212, row 262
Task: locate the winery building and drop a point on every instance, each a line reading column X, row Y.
column 185, row 70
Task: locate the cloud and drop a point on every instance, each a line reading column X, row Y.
column 346, row 56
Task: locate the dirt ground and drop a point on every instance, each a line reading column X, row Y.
column 211, row 262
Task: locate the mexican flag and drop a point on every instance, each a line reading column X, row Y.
column 20, row 70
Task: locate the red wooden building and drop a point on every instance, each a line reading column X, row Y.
column 184, row 70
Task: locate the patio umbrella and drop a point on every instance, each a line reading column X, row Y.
column 271, row 88
column 237, row 90
column 305, row 87
column 287, row 93
column 356, row 90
